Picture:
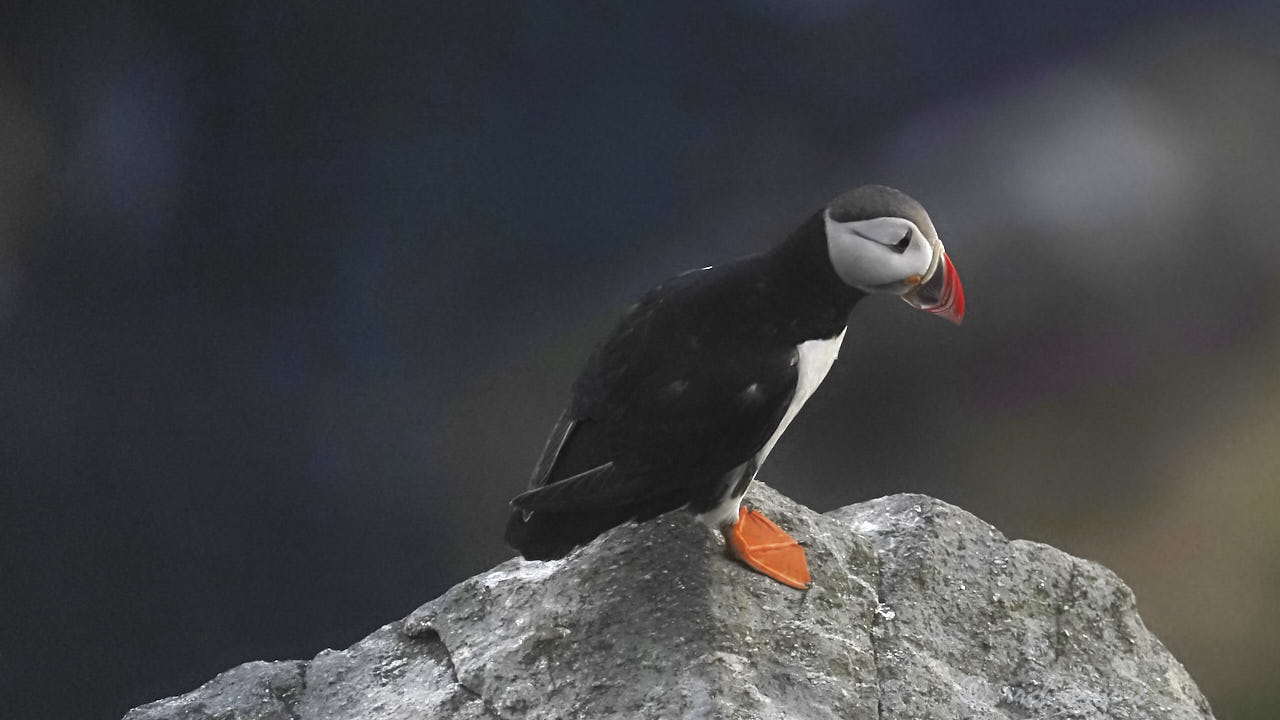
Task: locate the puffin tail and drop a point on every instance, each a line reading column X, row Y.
column 548, row 535
column 552, row 534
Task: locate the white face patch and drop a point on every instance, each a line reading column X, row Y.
column 878, row 251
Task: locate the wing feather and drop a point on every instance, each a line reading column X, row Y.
column 665, row 407
column 595, row 489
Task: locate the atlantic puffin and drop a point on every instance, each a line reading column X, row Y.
column 681, row 405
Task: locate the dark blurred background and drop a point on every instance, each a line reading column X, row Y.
column 291, row 292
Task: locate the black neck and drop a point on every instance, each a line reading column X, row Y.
column 817, row 297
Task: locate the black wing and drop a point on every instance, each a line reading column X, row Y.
column 663, row 409
column 690, row 385
column 678, row 434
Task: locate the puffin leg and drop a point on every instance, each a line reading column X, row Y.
column 764, row 547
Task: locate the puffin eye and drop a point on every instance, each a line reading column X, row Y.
column 902, row 244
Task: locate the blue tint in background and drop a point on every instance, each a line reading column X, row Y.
column 289, row 296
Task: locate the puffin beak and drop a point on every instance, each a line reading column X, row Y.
column 940, row 294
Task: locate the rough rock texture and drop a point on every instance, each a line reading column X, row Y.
column 918, row 610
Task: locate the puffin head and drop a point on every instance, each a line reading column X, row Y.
column 881, row 240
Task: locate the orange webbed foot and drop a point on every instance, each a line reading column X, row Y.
column 763, row 546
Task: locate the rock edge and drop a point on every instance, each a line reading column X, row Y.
column 919, row 610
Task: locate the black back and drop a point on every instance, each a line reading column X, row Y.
column 690, row 385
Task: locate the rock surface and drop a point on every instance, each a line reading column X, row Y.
column 918, row 610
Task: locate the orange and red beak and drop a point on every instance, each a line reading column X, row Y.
column 941, row 294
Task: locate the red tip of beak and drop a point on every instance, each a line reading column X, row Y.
column 950, row 303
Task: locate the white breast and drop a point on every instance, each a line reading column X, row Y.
column 816, row 358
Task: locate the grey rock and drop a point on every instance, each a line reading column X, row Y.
column 918, row 610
